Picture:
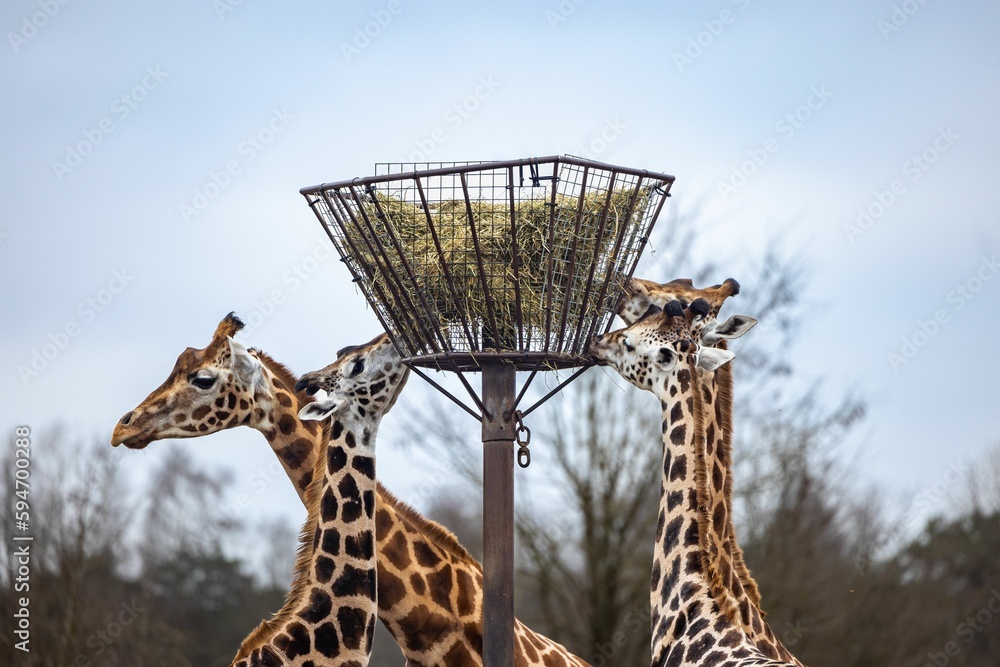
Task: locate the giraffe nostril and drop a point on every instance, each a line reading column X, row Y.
column 126, row 420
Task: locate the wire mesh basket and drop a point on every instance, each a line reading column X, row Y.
column 520, row 260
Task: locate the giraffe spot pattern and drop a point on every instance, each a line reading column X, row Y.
column 425, row 555
column 325, row 567
column 286, row 424
column 369, row 500
column 331, row 541
column 319, row 607
column 354, row 581
column 417, row 584
column 391, row 589
column 295, row 643
column 466, row 593
column 440, row 583
column 360, row 546
column 353, row 623
column 421, row 627
column 336, row 458
column 296, row 453
column 328, row 506
column 326, row 641
column 383, row 523
column 398, row 552
column 679, row 468
column 365, row 465
column 458, row 656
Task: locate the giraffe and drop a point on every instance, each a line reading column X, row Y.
column 329, row 615
column 690, row 623
column 411, row 551
column 726, row 558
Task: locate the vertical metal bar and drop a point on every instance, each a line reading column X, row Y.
column 614, row 262
column 431, row 314
column 572, row 259
column 515, row 261
column 643, row 240
column 459, row 303
column 490, row 312
column 384, row 267
column 498, row 514
column 549, row 287
column 596, row 255
column 369, row 285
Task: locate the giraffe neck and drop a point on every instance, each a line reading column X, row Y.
column 741, row 597
column 276, row 416
column 430, row 590
column 329, row 615
column 688, row 622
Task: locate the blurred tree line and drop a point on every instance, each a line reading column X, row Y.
column 847, row 577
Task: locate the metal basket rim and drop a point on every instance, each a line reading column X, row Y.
column 488, row 166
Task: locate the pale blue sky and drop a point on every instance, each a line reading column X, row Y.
column 692, row 90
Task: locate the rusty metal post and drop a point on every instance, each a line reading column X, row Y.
column 498, row 514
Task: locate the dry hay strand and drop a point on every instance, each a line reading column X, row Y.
column 439, row 244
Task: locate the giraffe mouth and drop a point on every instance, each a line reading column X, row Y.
column 134, row 442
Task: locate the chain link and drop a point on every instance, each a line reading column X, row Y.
column 523, row 438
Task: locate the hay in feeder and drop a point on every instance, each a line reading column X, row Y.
column 439, row 246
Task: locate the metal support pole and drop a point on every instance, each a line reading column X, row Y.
column 498, row 514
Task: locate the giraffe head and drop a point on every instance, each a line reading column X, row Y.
column 704, row 305
column 365, row 380
column 650, row 349
column 208, row 390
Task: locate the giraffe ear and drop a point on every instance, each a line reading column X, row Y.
column 246, row 366
column 322, row 407
column 710, row 358
column 734, row 327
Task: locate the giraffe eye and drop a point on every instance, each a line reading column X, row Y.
column 359, row 365
column 202, row 381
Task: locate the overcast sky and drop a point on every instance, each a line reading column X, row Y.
column 153, row 154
